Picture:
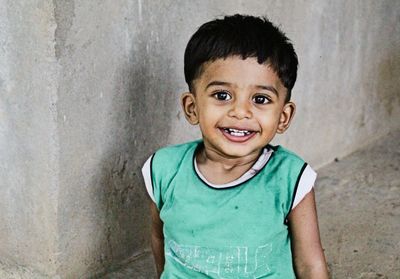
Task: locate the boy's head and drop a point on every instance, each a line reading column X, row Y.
column 240, row 71
column 244, row 36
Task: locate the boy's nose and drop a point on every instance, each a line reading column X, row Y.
column 240, row 110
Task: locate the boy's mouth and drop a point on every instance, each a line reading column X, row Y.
column 237, row 135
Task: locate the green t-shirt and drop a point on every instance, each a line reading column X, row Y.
column 234, row 232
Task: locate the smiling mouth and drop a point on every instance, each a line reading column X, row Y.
column 237, row 133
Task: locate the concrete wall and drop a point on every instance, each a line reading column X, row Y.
column 29, row 153
column 90, row 89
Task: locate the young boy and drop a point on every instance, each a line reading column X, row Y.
column 231, row 205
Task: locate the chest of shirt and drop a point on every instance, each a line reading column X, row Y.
column 250, row 213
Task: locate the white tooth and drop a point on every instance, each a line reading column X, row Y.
column 238, row 131
column 238, row 134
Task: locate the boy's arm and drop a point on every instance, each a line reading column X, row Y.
column 309, row 259
column 157, row 239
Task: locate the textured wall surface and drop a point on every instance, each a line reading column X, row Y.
column 89, row 89
column 28, row 135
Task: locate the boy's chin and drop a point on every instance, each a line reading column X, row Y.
column 240, row 151
column 235, row 149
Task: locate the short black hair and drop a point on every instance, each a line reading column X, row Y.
column 245, row 36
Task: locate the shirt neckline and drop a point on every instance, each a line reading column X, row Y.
column 261, row 162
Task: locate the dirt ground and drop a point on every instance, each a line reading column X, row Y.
column 359, row 211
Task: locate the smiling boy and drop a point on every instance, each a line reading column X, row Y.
column 231, row 205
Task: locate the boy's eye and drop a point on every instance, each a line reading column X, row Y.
column 222, row 96
column 260, row 99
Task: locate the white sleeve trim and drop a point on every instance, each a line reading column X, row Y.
column 306, row 183
column 146, row 172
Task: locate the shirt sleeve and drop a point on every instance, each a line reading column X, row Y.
column 148, row 181
column 306, row 183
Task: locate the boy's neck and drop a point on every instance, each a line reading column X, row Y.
column 219, row 169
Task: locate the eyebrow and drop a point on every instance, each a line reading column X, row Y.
column 216, row 83
column 263, row 87
column 268, row 88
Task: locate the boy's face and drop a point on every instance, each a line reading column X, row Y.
column 239, row 106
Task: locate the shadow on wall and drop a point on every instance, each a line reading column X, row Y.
column 388, row 83
column 381, row 85
column 139, row 125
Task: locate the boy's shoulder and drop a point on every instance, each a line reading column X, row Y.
column 167, row 161
column 175, row 152
column 283, row 153
column 178, row 148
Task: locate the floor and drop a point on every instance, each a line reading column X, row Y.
column 359, row 214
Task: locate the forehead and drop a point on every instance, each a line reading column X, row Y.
column 239, row 72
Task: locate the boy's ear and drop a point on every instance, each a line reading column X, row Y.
column 188, row 102
column 286, row 117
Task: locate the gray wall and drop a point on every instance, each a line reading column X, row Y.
column 29, row 153
column 89, row 89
